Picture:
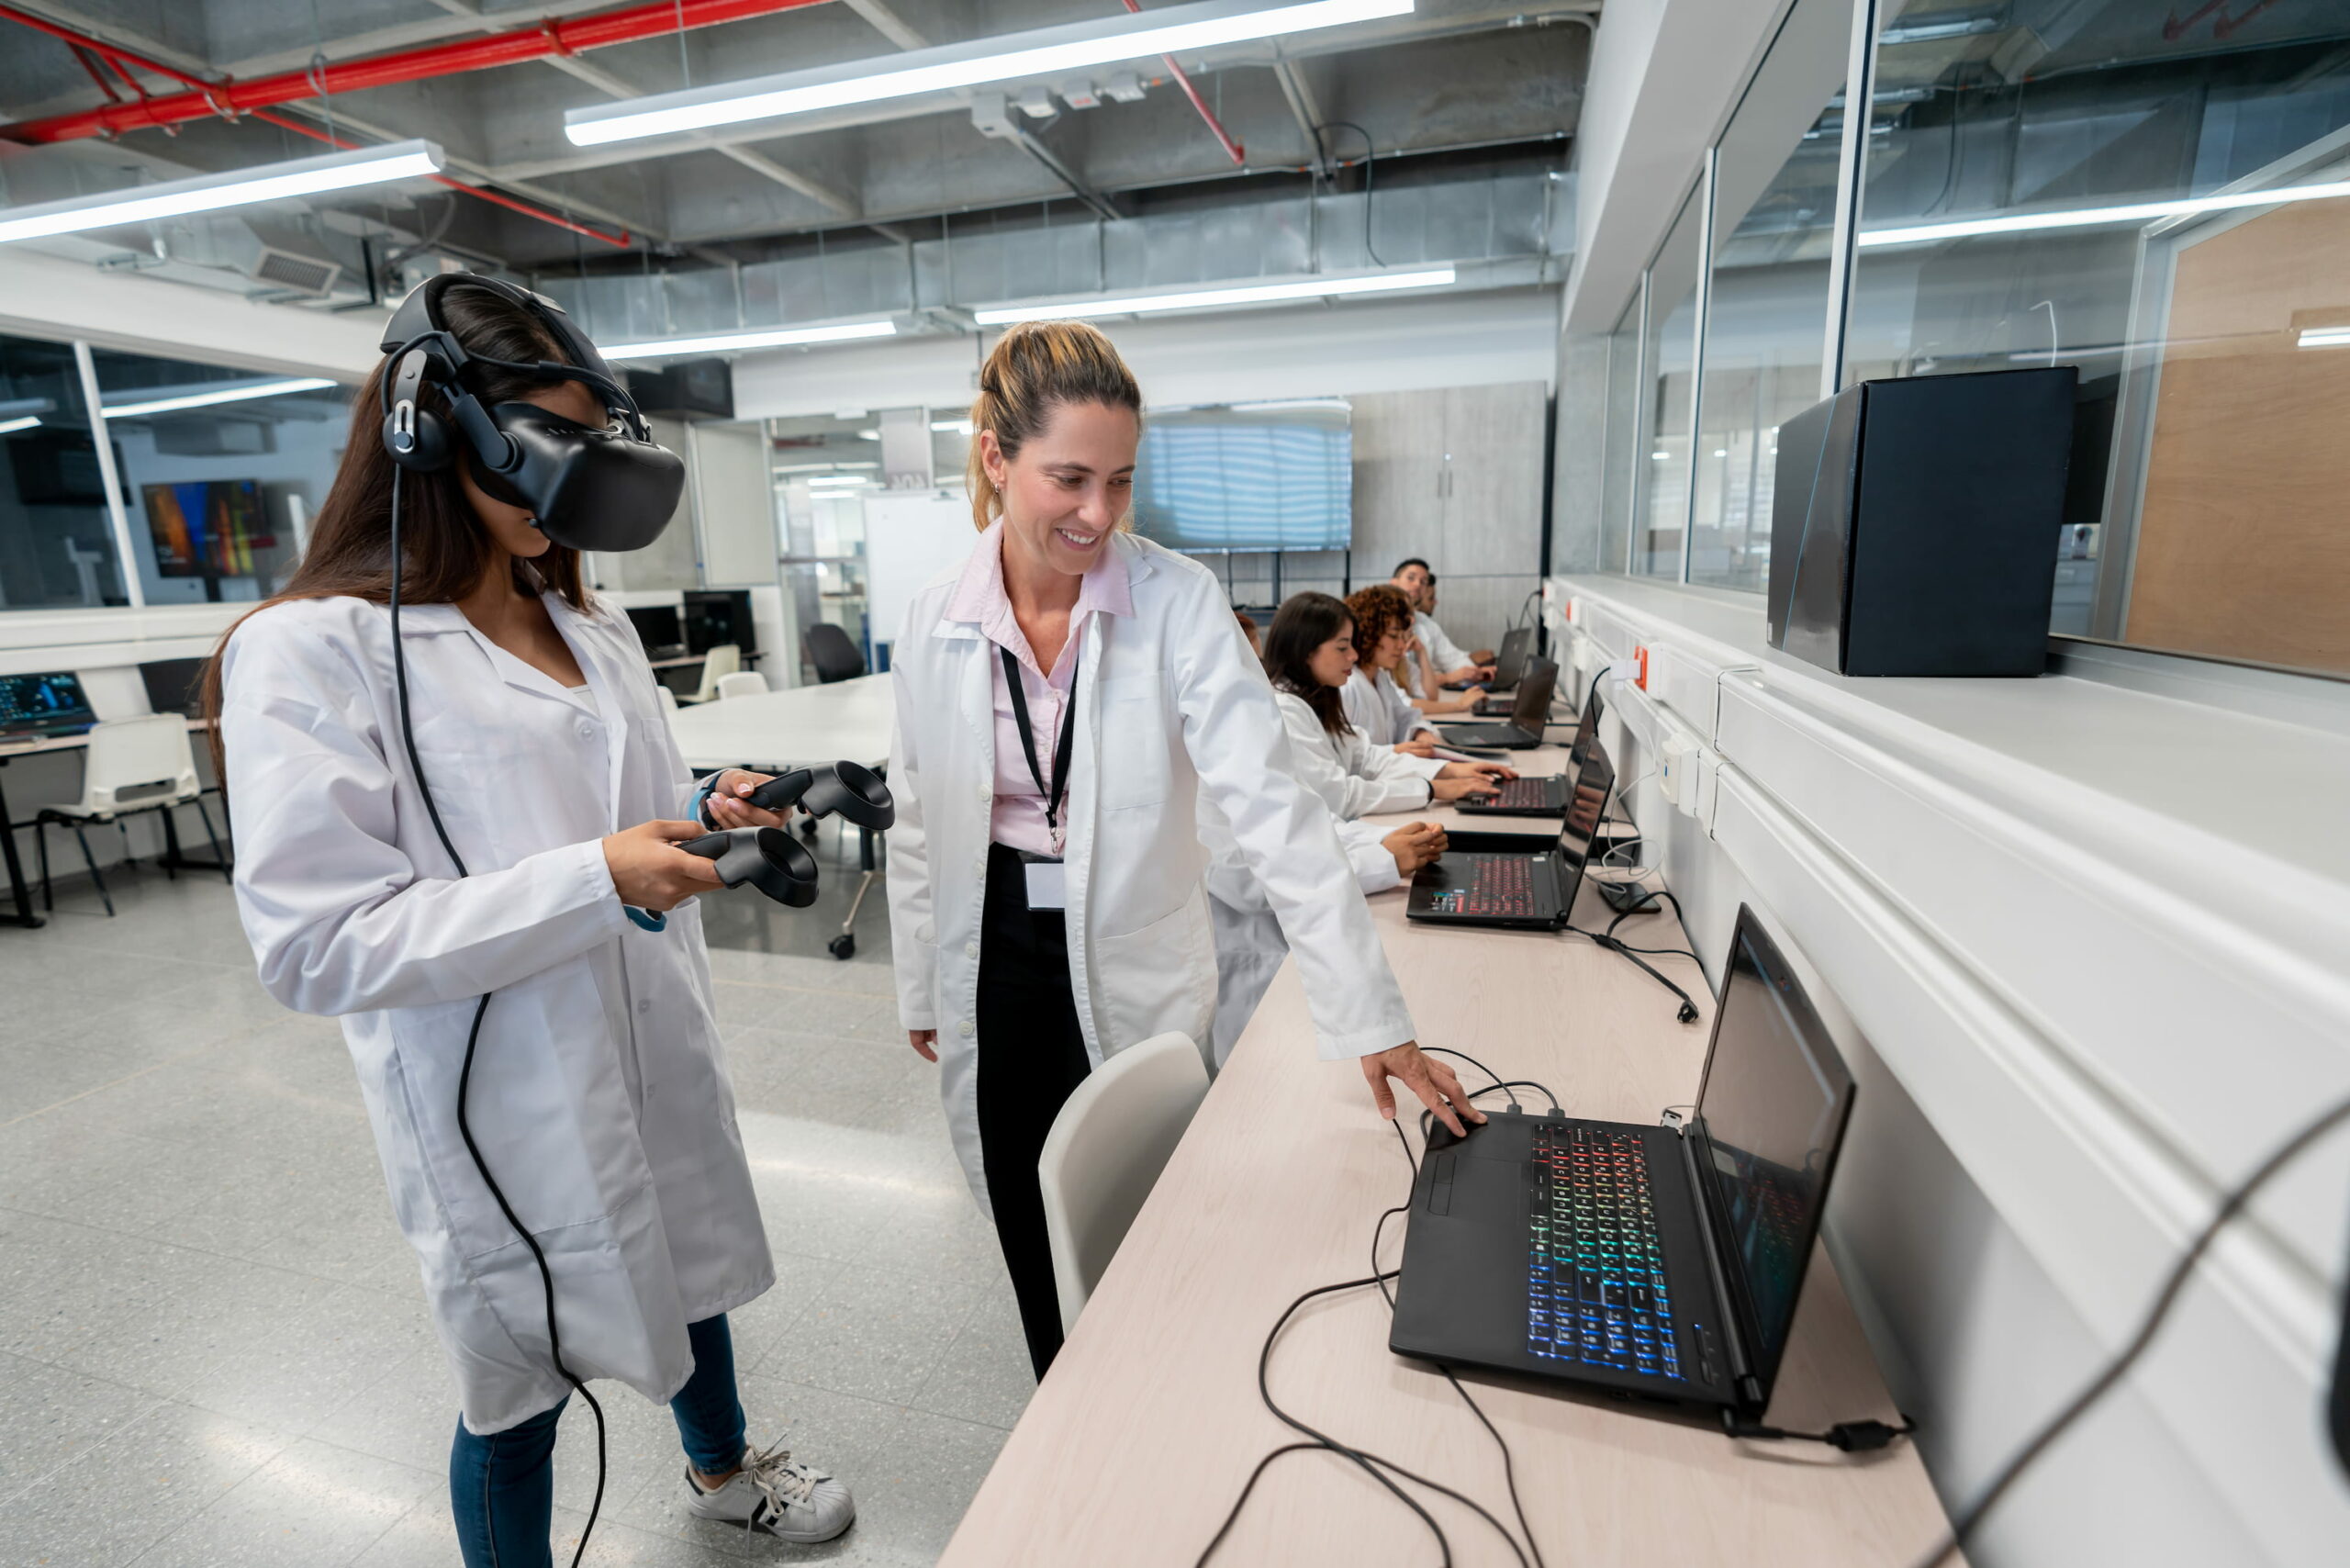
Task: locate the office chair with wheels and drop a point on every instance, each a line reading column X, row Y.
column 132, row 767
column 830, row 650
column 716, row 666
column 742, row 683
column 1113, row 1137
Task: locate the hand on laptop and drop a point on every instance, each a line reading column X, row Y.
column 1460, row 778
column 1433, row 1081
column 1414, row 845
column 1420, row 744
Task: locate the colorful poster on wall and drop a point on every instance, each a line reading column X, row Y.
column 206, row 528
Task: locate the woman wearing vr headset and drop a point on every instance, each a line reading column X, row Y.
column 458, row 808
column 1065, row 705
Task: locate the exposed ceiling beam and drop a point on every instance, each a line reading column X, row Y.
column 458, row 19
column 1298, row 93
column 1417, row 28
column 888, row 23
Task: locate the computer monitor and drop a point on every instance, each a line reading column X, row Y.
column 1509, row 663
column 1770, row 1113
column 659, row 627
column 718, row 615
column 50, row 704
column 172, row 685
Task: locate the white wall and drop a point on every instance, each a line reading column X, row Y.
column 1393, row 346
column 1664, row 74
column 47, row 297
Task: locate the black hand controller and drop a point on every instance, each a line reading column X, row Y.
column 768, row 858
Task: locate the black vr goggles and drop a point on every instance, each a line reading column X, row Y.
column 610, row 489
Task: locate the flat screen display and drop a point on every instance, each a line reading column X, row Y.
column 1770, row 1115
column 1594, row 781
column 657, row 625
column 1267, row 477
column 206, row 528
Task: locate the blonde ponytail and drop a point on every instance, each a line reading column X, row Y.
column 1035, row 367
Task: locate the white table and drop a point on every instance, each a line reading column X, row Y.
column 847, row 720
column 806, row 726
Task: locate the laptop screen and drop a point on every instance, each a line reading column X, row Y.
column 1587, row 726
column 1510, row 663
column 1770, row 1115
column 1533, row 707
column 171, row 684
column 1594, row 781
column 45, row 704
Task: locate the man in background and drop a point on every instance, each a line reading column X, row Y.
column 1444, row 663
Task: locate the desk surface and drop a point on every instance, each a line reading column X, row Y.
column 1142, row 1436
column 17, row 746
column 806, row 724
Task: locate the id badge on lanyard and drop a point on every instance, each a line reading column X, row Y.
column 1045, row 881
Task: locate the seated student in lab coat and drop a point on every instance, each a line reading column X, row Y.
column 1375, row 701
column 1435, row 659
column 600, row 1099
column 1309, row 654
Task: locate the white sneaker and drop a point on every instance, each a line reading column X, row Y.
column 777, row 1493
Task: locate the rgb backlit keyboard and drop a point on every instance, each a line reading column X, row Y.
column 1498, row 884
column 1524, row 792
column 1595, row 1282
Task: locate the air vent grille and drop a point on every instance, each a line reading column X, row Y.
column 304, row 275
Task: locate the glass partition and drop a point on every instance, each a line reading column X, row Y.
column 2133, row 201
column 1619, row 466
column 57, row 541
column 1774, row 220
column 1669, row 396
column 221, row 471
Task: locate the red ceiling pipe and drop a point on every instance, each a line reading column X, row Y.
column 1231, row 148
column 120, row 58
column 495, row 197
column 231, row 98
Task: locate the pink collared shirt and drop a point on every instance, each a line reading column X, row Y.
column 1017, row 818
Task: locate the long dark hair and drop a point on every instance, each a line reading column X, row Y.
column 1303, row 623
column 445, row 546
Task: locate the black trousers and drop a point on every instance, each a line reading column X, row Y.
column 1032, row 1056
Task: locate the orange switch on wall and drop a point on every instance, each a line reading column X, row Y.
column 1641, row 657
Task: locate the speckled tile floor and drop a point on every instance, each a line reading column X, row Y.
column 213, row 1346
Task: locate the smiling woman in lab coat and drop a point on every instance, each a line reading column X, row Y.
column 1046, row 917
column 600, row 1099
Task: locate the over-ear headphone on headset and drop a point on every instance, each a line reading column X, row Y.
column 610, row 488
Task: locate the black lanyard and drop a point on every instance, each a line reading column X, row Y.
column 1028, row 740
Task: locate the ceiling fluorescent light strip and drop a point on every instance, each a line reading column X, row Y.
column 1042, row 52
column 1258, row 294
column 207, row 400
column 10, row 427
column 2313, row 337
column 736, row 342
column 209, row 193
column 2091, row 217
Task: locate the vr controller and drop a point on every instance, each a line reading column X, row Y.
column 770, row 859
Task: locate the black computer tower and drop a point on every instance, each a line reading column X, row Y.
column 1914, row 524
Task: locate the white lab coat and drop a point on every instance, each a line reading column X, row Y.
column 1170, row 707
column 1354, row 777
column 1249, row 947
column 1447, row 655
column 1378, row 709
column 600, row 1095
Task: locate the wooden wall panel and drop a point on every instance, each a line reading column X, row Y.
column 2243, row 536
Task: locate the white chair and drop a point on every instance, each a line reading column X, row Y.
column 132, row 765
column 1107, row 1147
column 716, row 666
column 742, row 683
column 668, row 697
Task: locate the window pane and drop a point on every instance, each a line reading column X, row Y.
column 2204, row 511
column 1774, row 219
column 1672, row 345
column 221, row 471
column 56, row 536
column 1623, row 461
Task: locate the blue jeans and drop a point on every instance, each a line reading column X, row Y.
column 502, row 1486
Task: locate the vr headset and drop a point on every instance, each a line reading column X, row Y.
column 610, row 488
